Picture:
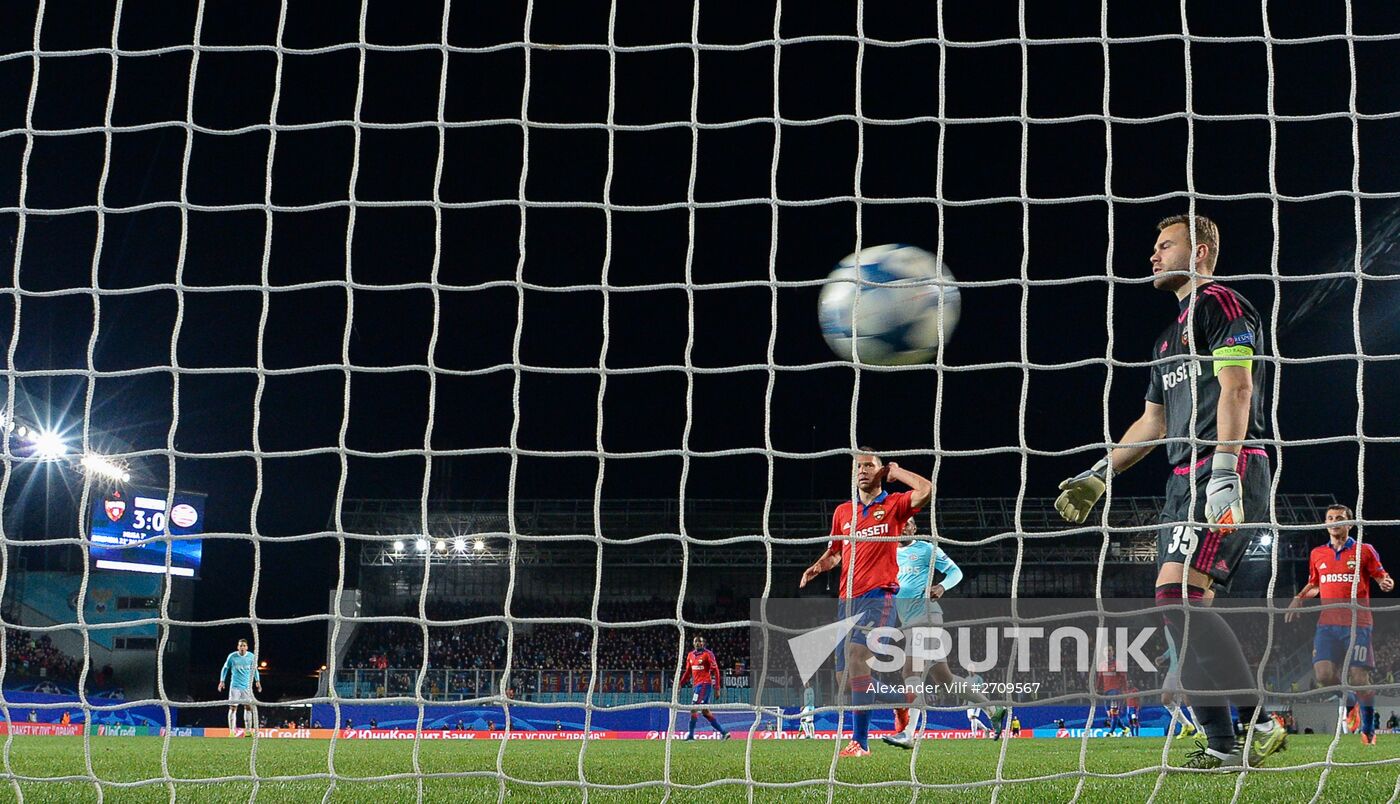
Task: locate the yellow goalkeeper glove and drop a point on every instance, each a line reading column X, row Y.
column 1078, row 494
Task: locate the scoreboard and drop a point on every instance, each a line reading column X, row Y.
column 129, row 527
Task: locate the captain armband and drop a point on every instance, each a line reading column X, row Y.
column 1242, row 356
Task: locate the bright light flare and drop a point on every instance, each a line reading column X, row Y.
column 49, row 444
column 479, row 545
column 422, row 545
column 98, row 465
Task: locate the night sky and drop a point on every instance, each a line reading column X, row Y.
column 251, row 297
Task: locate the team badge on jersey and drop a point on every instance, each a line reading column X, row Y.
column 879, row 513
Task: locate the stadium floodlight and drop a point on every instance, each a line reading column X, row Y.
column 398, row 545
column 49, row 444
column 1267, row 539
column 106, row 467
column 442, row 545
column 479, row 545
column 422, row 545
column 459, row 544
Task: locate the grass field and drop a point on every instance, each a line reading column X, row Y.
column 1123, row 770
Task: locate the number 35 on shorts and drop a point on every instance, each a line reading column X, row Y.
column 1183, row 541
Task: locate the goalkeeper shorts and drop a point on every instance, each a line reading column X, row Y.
column 1216, row 554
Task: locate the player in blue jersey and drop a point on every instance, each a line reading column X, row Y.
column 241, row 674
column 916, row 606
column 808, row 714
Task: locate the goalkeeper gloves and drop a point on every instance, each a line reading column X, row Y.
column 1079, row 493
column 1224, row 503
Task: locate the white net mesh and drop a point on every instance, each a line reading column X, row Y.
column 301, row 257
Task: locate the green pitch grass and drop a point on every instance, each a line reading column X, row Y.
column 1121, row 770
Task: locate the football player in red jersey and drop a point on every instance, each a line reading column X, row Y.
column 869, row 569
column 1332, row 572
column 702, row 670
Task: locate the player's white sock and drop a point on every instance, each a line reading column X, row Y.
column 232, row 719
column 1190, row 715
column 912, row 726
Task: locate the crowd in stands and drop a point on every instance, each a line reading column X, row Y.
column 32, row 656
column 643, row 658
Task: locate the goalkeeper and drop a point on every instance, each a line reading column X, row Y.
column 1205, row 363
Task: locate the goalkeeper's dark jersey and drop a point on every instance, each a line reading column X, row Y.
column 1228, row 333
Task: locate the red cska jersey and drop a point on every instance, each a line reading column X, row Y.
column 701, row 667
column 876, row 563
column 1332, row 572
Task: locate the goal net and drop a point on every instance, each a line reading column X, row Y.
column 480, row 343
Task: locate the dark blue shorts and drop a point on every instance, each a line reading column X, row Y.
column 701, row 694
column 1330, row 645
column 876, row 609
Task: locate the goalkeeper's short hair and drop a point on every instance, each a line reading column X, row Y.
column 1206, row 232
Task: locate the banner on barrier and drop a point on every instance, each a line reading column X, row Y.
column 46, row 729
column 76, row 729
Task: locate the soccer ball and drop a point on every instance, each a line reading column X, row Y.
column 897, row 311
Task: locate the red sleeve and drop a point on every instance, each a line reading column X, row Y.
column 900, row 507
column 1312, row 570
column 835, row 528
column 1377, row 571
column 714, row 668
column 685, row 674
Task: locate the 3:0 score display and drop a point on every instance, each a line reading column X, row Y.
column 127, row 526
